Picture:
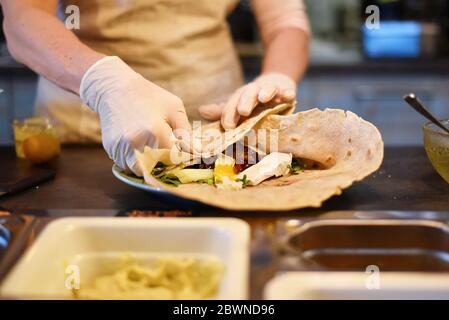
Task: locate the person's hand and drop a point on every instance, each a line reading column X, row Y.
column 266, row 88
column 133, row 111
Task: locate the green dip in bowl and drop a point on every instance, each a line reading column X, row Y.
column 436, row 142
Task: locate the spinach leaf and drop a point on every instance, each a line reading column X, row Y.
column 296, row 167
column 245, row 182
column 159, row 169
column 169, row 180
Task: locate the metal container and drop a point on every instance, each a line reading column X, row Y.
column 15, row 233
column 360, row 244
column 5, row 237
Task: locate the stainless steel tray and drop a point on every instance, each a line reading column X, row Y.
column 5, row 238
column 15, row 233
column 350, row 244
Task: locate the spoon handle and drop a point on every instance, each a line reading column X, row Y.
column 414, row 102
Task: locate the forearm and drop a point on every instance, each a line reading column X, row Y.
column 287, row 53
column 36, row 38
column 285, row 31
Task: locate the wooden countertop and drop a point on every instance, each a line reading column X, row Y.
column 406, row 181
column 84, row 186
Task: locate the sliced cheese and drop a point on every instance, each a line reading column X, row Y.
column 275, row 164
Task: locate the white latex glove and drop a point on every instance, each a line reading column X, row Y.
column 269, row 87
column 133, row 111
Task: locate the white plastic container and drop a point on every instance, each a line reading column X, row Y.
column 95, row 245
column 357, row 286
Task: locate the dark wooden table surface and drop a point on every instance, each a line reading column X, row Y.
column 84, row 185
column 406, row 181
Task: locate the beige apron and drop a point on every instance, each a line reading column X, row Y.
column 182, row 45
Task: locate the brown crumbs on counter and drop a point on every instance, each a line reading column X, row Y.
column 158, row 214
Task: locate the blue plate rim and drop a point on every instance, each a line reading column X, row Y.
column 134, row 181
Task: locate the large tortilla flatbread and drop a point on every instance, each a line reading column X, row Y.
column 348, row 147
column 213, row 139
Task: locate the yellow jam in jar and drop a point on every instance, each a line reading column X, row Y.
column 36, row 139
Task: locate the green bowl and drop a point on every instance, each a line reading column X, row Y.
column 436, row 142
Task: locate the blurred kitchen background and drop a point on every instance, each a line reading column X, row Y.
column 366, row 71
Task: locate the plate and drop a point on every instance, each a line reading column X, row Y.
column 136, row 182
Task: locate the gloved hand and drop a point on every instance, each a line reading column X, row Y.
column 266, row 88
column 133, row 111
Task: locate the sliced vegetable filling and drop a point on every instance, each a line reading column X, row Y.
column 236, row 168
